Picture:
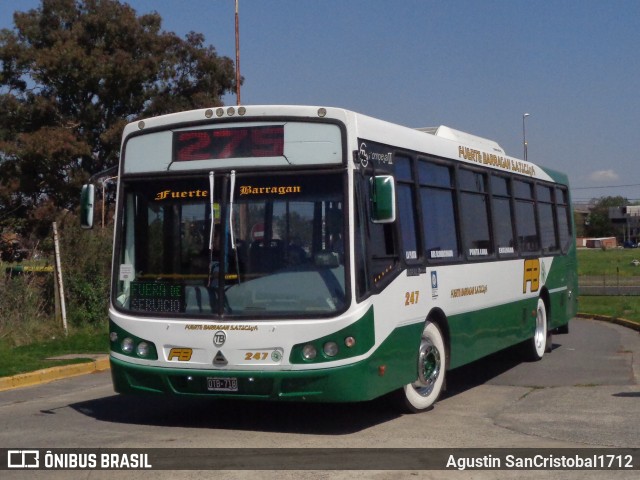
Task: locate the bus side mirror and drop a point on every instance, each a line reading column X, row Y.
column 87, row 197
column 383, row 199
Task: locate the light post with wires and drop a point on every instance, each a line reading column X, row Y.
column 524, row 135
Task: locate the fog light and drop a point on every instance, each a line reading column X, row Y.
column 113, row 336
column 127, row 345
column 143, row 349
column 309, row 352
column 350, row 342
column 330, row 349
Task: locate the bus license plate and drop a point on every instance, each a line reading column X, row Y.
column 218, row 384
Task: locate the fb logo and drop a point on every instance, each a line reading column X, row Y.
column 219, row 338
column 531, row 275
column 182, row 354
column 23, row 459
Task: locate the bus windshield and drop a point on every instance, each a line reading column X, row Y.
column 277, row 246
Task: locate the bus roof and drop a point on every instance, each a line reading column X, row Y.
column 442, row 140
column 463, row 137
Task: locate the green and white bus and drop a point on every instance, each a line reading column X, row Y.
column 316, row 254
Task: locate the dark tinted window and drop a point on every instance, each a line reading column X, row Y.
column 526, row 227
column 503, row 226
column 434, row 174
column 563, row 216
column 472, row 181
column 548, row 236
column 406, row 208
column 438, row 210
column 474, row 210
column 403, row 169
column 522, row 189
column 500, row 186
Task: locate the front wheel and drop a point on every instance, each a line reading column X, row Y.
column 422, row 394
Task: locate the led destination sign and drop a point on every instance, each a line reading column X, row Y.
column 157, row 297
column 218, row 143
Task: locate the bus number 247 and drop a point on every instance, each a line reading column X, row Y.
column 411, row 298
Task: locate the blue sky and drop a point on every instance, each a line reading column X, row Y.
column 476, row 66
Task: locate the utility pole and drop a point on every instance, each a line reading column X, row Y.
column 237, row 57
column 58, row 279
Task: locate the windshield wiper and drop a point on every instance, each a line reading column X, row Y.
column 231, row 234
column 211, row 227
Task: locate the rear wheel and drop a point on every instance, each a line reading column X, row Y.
column 422, row 394
column 536, row 347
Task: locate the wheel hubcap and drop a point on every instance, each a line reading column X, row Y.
column 429, row 365
column 540, row 337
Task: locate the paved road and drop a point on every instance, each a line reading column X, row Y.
column 586, row 393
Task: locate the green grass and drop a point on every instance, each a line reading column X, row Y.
column 627, row 307
column 611, row 266
column 594, row 261
column 27, row 358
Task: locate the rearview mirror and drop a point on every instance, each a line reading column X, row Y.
column 87, row 197
column 327, row 259
column 383, row 199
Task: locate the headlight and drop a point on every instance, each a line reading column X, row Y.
column 143, row 349
column 330, row 349
column 309, row 352
column 127, row 345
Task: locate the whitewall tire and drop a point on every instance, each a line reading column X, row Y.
column 422, row 394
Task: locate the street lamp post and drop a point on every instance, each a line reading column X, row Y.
column 524, row 135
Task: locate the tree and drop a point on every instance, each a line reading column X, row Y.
column 73, row 73
column 598, row 223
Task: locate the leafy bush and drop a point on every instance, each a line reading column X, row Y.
column 86, row 261
column 26, row 308
column 27, row 302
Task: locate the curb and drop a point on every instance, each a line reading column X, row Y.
column 54, row 373
column 604, row 318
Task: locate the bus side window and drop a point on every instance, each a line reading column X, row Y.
column 407, row 205
column 564, row 218
column 474, row 205
column 383, row 254
column 503, row 215
column 526, row 222
column 381, row 247
column 547, row 219
column 439, row 215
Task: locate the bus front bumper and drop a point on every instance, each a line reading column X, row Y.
column 390, row 367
